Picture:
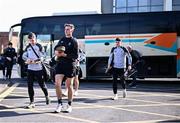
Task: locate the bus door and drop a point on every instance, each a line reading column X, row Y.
column 47, row 41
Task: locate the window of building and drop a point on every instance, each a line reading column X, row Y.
column 122, row 6
column 156, row 2
column 144, row 2
column 176, row 5
column 156, row 8
column 132, row 9
column 144, row 9
column 121, row 3
column 176, row 2
column 131, row 3
column 176, row 8
column 121, row 10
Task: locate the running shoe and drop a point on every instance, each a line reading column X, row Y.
column 124, row 93
column 58, row 108
column 68, row 109
column 30, row 106
column 115, row 97
column 65, row 93
column 75, row 93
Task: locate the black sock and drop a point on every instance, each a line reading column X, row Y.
column 69, row 102
column 60, row 101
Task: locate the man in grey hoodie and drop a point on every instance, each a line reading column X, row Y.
column 32, row 56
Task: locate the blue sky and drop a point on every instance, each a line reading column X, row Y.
column 12, row 11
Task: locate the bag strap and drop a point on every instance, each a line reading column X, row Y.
column 34, row 51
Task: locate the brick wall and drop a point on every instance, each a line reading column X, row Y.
column 4, row 40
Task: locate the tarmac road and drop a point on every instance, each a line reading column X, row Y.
column 150, row 102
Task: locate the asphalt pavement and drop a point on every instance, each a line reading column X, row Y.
column 151, row 102
column 5, row 83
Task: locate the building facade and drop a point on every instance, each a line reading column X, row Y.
column 129, row 6
column 4, row 40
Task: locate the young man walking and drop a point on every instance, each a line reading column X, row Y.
column 137, row 64
column 66, row 66
column 32, row 57
column 117, row 62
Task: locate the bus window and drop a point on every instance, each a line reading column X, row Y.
column 150, row 24
column 44, row 29
column 93, row 29
column 25, row 41
column 44, row 40
column 57, row 29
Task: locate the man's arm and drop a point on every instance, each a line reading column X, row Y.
column 110, row 60
column 129, row 58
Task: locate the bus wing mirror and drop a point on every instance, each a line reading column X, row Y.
column 106, row 43
column 11, row 34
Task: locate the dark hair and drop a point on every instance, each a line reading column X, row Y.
column 70, row 25
column 10, row 43
column 118, row 39
column 31, row 35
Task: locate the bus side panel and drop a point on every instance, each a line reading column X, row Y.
column 159, row 53
column 98, row 48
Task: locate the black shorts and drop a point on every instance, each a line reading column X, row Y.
column 67, row 69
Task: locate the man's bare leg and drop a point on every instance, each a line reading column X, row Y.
column 58, row 81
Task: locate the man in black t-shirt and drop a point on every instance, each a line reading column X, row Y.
column 66, row 64
column 136, row 63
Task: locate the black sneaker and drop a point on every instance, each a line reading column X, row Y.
column 132, row 85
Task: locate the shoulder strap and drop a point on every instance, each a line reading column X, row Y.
column 34, row 51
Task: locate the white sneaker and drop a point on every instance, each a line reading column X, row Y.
column 124, row 93
column 59, row 108
column 68, row 109
column 65, row 93
column 31, row 105
column 4, row 77
column 75, row 93
column 115, row 97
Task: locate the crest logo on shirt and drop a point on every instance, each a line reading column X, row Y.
column 69, row 43
column 62, row 42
